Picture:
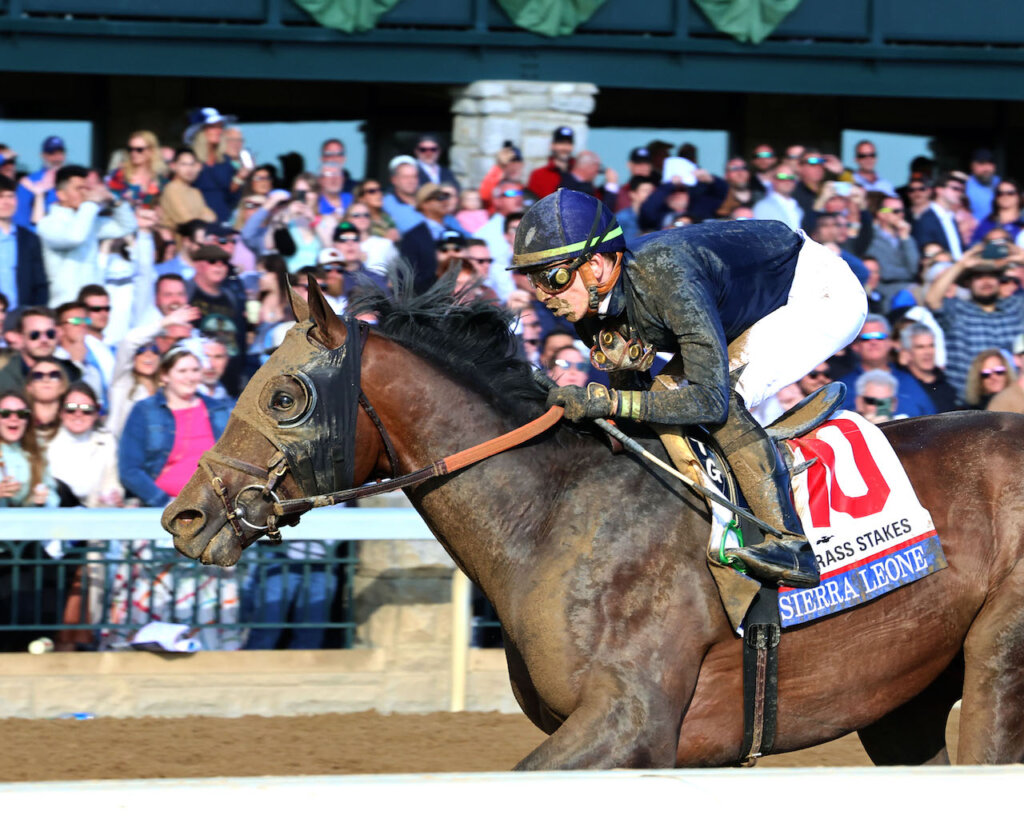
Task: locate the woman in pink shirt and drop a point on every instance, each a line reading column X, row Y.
column 166, row 433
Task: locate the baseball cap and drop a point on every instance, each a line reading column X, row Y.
column 563, row 134
column 342, row 228
column 52, row 144
column 210, row 253
column 983, row 155
column 329, row 256
column 640, row 154
column 430, row 191
column 451, row 237
column 401, row 159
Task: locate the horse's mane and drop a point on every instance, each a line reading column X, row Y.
column 471, row 341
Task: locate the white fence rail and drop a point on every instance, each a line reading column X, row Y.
column 130, row 524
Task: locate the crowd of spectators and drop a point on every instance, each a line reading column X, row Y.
column 137, row 300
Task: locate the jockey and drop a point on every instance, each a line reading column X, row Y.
column 753, row 297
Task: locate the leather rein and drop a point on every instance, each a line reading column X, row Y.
column 286, row 512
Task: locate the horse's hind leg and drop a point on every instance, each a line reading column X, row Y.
column 992, row 713
column 915, row 733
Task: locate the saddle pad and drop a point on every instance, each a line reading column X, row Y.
column 862, row 517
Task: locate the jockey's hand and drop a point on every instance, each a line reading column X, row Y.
column 593, row 402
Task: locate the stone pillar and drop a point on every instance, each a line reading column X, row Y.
column 488, row 112
column 402, row 606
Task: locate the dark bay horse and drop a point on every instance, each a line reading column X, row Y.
column 617, row 643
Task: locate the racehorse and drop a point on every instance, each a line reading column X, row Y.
column 617, row 643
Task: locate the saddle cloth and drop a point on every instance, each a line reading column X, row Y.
column 860, row 514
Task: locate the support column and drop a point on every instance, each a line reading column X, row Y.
column 488, row 112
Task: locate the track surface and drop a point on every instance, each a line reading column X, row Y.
column 363, row 743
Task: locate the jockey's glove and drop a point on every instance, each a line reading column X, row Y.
column 597, row 401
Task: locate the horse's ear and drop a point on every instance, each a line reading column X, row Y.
column 331, row 328
column 299, row 307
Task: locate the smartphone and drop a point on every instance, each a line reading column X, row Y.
column 246, row 159
column 995, row 249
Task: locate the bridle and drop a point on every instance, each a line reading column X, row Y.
column 286, row 458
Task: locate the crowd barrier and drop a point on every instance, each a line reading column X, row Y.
column 840, row 793
column 104, row 573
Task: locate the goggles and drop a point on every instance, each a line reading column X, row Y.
column 553, row 280
column 878, row 336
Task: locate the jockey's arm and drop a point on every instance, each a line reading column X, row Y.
column 691, row 318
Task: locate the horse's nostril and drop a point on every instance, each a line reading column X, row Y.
column 187, row 522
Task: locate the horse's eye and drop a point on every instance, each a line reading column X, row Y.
column 288, row 399
column 283, row 401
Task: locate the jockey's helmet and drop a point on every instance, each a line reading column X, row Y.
column 567, row 226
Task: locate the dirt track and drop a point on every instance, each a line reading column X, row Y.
column 368, row 742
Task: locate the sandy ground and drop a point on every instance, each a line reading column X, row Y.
column 363, row 743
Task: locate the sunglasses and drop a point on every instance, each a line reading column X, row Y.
column 35, row 335
column 98, row 308
column 450, row 248
column 148, row 348
column 135, row 149
column 511, row 194
column 1010, row 192
column 78, row 321
column 261, row 177
column 785, row 177
column 20, row 414
column 793, row 157
column 736, row 167
column 890, row 210
column 440, row 196
column 877, row 402
column 371, row 190
column 252, row 205
column 579, row 366
column 225, row 240
column 333, row 153
column 552, row 280
column 427, row 149
column 993, row 371
column 879, row 336
column 333, row 268
column 814, row 160
column 866, row 156
column 764, row 154
column 39, row 375
column 818, row 374
column 345, row 240
column 84, row 409
column 487, row 260
column 359, row 215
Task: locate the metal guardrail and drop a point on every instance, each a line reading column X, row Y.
column 92, row 577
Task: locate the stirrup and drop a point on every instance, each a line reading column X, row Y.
column 788, row 562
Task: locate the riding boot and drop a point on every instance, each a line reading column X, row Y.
column 787, row 560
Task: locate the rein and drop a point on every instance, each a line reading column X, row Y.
column 445, row 466
column 264, row 498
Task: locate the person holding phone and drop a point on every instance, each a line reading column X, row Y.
column 896, row 252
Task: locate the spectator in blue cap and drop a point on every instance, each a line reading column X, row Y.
column 40, row 184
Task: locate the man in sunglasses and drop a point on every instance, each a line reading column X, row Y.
column 72, row 333
column 428, row 163
column 897, row 254
column 938, row 223
column 874, row 348
column 508, row 201
column 755, row 299
column 546, row 179
column 876, row 397
column 779, row 204
column 38, row 331
column 866, row 156
column 418, row 245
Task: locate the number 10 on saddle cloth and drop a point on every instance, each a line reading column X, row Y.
column 862, row 517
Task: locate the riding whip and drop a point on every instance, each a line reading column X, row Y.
column 633, row 446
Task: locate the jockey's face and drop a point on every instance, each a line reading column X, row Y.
column 571, row 303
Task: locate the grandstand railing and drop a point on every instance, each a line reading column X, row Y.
column 95, row 576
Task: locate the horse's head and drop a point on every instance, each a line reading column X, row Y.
column 292, row 435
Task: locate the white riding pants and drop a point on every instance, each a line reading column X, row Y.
column 825, row 312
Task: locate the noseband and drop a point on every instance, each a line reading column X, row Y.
column 317, row 466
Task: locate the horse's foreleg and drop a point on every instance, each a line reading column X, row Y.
column 992, row 713
column 619, row 724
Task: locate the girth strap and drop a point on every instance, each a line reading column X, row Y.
column 761, row 634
